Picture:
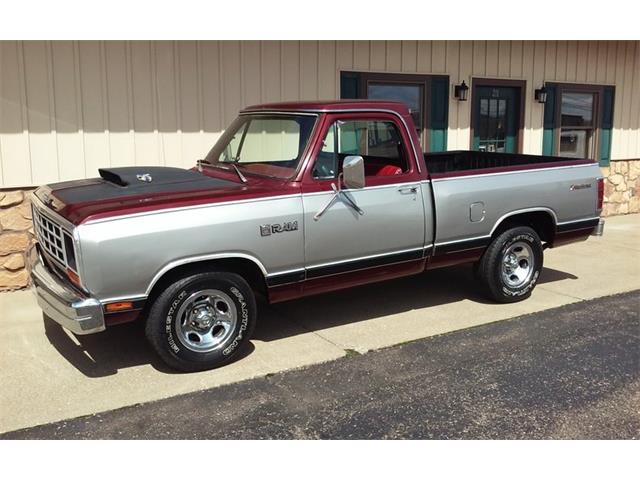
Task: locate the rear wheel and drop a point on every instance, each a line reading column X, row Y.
column 510, row 267
column 202, row 321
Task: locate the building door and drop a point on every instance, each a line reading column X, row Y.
column 496, row 118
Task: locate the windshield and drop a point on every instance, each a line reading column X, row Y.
column 270, row 145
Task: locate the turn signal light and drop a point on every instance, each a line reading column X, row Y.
column 73, row 276
column 118, row 306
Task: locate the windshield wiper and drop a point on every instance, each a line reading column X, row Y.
column 219, row 165
column 242, row 177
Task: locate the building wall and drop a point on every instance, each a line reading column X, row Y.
column 68, row 108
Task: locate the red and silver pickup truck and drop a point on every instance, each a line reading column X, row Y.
column 295, row 199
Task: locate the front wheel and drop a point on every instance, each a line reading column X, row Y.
column 202, row 321
column 510, row 267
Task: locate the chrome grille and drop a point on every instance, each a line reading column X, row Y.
column 51, row 237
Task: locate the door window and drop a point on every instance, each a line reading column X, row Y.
column 378, row 142
column 493, row 123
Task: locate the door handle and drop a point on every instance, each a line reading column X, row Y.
column 408, row 189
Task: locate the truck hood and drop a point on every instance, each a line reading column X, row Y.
column 120, row 191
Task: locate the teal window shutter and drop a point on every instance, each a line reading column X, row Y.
column 606, row 126
column 439, row 114
column 349, row 85
column 549, row 128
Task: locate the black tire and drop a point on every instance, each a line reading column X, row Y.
column 490, row 267
column 161, row 326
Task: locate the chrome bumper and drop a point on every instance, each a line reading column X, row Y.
column 61, row 303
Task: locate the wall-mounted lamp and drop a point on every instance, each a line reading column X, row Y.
column 541, row 94
column 461, row 91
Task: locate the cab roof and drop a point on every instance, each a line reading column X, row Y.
column 330, row 105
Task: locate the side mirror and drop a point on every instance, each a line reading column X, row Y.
column 353, row 171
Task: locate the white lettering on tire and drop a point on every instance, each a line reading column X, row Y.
column 244, row 321
column 169, row 320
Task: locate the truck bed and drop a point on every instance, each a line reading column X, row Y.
column 474, row 191
column 442, row 163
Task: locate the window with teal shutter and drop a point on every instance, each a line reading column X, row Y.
column 578, row 121
column 426, row 96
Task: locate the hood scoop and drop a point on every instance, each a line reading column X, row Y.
column 112, row 176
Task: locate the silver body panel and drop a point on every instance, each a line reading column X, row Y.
column 124, row 256
column 393, row 221
column 506, row 193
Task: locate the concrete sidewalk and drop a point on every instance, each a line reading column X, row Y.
column 48, row 374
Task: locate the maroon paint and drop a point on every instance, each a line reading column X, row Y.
column 256, row 187
column 311, row 185
column 328, row 105
column 345, row 280
column 455, row 258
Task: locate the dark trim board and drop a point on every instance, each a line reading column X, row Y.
column 325, row 271
column 462, row 245
column 285, row 278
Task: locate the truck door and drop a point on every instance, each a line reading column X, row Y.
column 384, row 223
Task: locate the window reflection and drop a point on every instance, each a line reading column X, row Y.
column 410, row 95
column 577, row 109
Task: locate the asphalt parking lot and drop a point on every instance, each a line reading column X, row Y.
column 571, row 372
column 49, row 375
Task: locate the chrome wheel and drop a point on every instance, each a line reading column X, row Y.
column 206, row 320
column 517, row 265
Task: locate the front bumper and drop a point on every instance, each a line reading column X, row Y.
column 63, row 304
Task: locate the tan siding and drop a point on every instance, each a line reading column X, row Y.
column 70, row 152
column 361, row 55
column 290, row 86
column 189, row 101
column 394, row 56
column 409, row 56
column 309, row 70
column 14, row 137
column 327, row 75
column 69, row 108
column 424, row 57
column 536, row 110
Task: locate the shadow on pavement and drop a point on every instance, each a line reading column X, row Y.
column 103, row 354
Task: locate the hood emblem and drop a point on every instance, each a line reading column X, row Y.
column 144, row 177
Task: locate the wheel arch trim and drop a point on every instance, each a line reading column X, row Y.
column 513, row 213
column 203, row 258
